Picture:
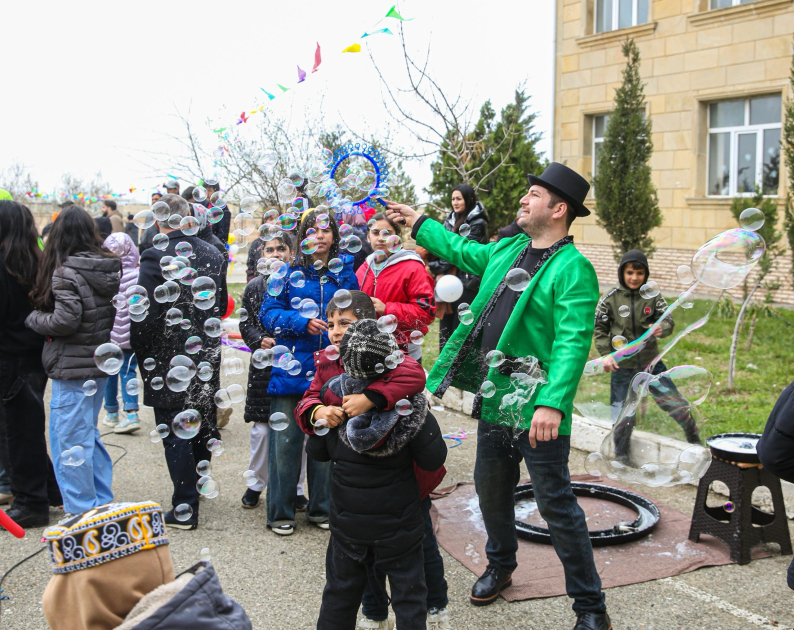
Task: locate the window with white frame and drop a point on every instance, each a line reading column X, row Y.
column 744, row 146
column 599, row 129
column 611, row 15
column 723, row 4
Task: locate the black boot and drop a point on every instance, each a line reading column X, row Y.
column 487, row 588
column 250, row 499
column 26, row 518
column 592, row 621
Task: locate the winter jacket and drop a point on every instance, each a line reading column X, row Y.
column 643, row 313
column 151, row 337
column 776, row 446
column 147, row 238
column 289, row 325
column 552, row 321
column 116, row 221
column 406, row 288
column 477, row 220
column 208, row 236
column 514, row 229
column 404, row 381
column 221, row 228
column 375, row 495
column 254, row 254
column 257, row 400
column 16, row 340
column 132, row 230
column 82, row 318
column 194, row 600
column 121, row 244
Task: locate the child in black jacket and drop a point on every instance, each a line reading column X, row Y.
column 375, row 517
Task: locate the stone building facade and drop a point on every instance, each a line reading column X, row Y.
column 716, row 74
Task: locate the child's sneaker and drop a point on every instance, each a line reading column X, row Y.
column 111, row 419
column 370, row 624
column 438, row 619
column 251, row 499
column 130, row 424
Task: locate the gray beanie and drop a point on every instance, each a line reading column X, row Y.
column 363, row 347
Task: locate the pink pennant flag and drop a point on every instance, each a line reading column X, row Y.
column 317, row 58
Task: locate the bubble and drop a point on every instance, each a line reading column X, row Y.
column 343, row 298
column 495, row 358
column 726, row 260
column 387, row 323
column 317, row 264
column 186, row 424
column 119, row 301
column 144, row 219
column 218, row 199
column 74, row 456
column 262, row 358
column 187, row 276
column 157, row 383
column 309, row 245
column 624, row 310
column 684, row 274
column 391, row 361
column 161, row 211
column 464, row 230
column 404, row 407
column 353, row 244
column 649, row 290
column 278, row 269
column 215, row 446
column 449, row 288
column 183, row 512
column 185, row 324
column 417, row 338
column 287, row 222
column 178, row 378
column 332, row 353
column 204, row 468
column 160, row 294
column 154, row 437
column 160, row 241
column 752, row 219
column 517, row 279
column 244, row 223
column 322, row 222
column 189, row 226
column 213, row 327
column 618, row 341
column 214, row 215
column 466, row 317
column 183, row 248
column 297, row 279
column 294, row 367
column 207, row 486
column 729, row 507
column 393, row 244
column 174, row 221
column 234, row 365
column 204, row 371
column 236, row 393
column 200, row 194
column 278, row 421
column 109, row 358
column 134, row 386
column 487, row 389
column 286, row 191
column 379, row 368
column 89, row 387
column 309, row 309
column 193, row 344
column 335, row 265
column 222, row 399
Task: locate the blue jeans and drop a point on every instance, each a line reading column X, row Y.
column 376, row 609
column 128, row 372
column 73, row 422
column 284, row 468
column 496, row 473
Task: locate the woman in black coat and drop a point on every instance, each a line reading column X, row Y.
column 468, row 212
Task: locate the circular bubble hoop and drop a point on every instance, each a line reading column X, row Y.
column 373, row 156
column 648, row 515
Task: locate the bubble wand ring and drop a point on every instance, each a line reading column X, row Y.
column 373, row 156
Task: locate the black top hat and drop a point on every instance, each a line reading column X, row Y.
column 566, row 183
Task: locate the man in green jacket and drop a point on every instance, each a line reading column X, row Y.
column 533, row 320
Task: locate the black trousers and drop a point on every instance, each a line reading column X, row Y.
column 181, row 456
column 23, row 447
column 346, row 577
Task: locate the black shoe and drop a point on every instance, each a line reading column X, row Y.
column 301, row 503
column 250, row 499
column 170, row 520
column 487, row 588
column 26, row 518
column 592, row 621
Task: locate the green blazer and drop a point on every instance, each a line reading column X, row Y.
column 552, row 321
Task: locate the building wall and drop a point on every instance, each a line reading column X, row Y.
column 689, row 57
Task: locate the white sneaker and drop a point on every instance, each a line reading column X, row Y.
column 111, row 419
column 130, row 423
column 369, row 624
column 438, row 619
column 283, row 530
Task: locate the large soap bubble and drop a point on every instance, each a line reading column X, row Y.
column 109, row 358
column 449, row 288
column 726, row 260
column 186, row 424
column 666, row 405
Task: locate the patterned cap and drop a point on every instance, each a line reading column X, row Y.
column 363, row 347
column 105, row 533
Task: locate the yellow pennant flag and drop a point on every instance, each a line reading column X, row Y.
column 352, row 49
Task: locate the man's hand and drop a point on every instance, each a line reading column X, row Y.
column 332, row 416
column 316, row 326
column 657, row 332
column 610, row 365
column 380, row 307
column 356, row 404
column 545, row 425
column 267, row 343
column 402, row 214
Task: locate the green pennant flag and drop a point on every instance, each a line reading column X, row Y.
column 283, row 89
column 393, row 14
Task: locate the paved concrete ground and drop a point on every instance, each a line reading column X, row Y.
column 279, row 580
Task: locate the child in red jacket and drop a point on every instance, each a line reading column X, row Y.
column 321, row 405
column 398, row 283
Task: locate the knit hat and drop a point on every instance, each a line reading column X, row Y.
column 363, row 347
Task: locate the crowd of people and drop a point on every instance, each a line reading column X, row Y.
column 339, row 426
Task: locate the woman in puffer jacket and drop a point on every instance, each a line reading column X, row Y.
column 76, row 282
column 295, row 316
column 121, row 244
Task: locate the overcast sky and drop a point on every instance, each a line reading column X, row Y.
column 92, row 86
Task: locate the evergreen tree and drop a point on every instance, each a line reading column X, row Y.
column 788, row 151
column 401, row 187
column 626, row 203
